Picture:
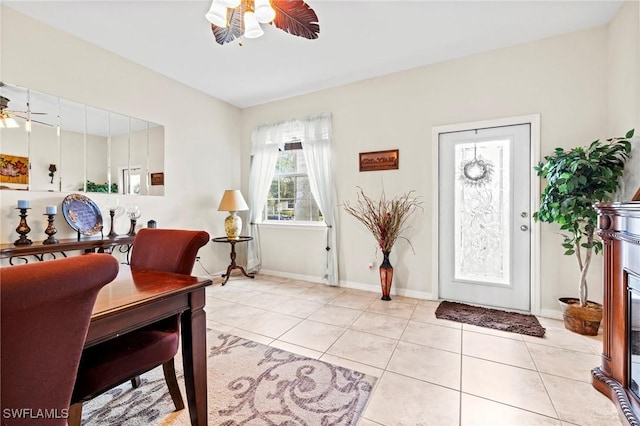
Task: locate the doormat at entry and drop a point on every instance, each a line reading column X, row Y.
column 490, row 318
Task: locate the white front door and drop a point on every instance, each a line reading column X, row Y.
column 484, row 216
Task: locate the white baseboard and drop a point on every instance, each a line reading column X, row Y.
column 300, row 277
column 352, row 285
column 551, row 313
column 417, row 294
column 394, row 290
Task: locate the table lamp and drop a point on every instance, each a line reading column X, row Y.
column 232, row 202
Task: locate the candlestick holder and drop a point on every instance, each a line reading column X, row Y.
column 51, row 230
column 134, row 215
column 112, row 232
column 132, row 228
column 23, row 229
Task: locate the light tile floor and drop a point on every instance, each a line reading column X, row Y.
column 430, row 371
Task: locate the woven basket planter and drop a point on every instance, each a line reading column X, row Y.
column 583, row 320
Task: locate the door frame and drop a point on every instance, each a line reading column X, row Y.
column 534, row 121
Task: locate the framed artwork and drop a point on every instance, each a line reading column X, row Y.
column 14, row 170
column 636, row 196
column 157, row 178
column 379, row 160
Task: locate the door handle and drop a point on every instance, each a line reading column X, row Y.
column 524, row 228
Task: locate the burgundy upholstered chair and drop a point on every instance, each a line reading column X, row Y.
column 45, row 312
column 116, row 361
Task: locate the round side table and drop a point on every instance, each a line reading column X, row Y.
column 233, row 265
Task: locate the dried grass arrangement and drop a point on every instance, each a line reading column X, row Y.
column 386, row 219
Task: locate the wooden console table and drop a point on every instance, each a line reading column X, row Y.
column 88, row 244
column 618, row 375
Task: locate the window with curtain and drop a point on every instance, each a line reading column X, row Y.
column 290, row 198
column 291, row 178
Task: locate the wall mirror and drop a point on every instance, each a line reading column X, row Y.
column 52, row 144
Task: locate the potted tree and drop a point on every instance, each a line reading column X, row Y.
column 576, row 180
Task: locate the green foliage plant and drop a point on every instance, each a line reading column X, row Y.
column 100, row 187
column 576, row 180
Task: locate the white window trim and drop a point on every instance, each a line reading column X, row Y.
column 320, row 225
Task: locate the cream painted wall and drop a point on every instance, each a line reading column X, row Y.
column 624, row 89
column 202, row 134
column 564, row 79
column 623, row 59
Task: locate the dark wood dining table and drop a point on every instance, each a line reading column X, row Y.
column 140, row 297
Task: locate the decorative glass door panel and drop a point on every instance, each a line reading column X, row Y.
column 482, row 212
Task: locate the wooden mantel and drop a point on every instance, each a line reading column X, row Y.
column 619, row 228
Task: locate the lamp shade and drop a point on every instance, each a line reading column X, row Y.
column 230, row 3
column 8, row 122
column 264, row 11
column 232, row 201
column 217, row 15
column 252, row 28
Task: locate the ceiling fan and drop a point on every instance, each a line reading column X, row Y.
column 7, row 115
column 234, row 19
column 6, row 118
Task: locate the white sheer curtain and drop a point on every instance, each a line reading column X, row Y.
column 316, row 146
column 315, row 134
column 264, row 155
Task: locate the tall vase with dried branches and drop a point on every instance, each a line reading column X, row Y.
column 387, row 220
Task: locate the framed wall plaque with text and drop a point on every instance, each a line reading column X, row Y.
column 379, row 160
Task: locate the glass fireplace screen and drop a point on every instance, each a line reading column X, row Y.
column 633, row 286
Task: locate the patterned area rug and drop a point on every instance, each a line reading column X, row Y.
column 490, row 318
column 248, row 383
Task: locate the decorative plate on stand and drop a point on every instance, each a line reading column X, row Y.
column 82, row 214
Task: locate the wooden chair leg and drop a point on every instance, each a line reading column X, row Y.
column 75, row 414
column 135, row 382
column 172, row 383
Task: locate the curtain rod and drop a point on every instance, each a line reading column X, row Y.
column 318, row 115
